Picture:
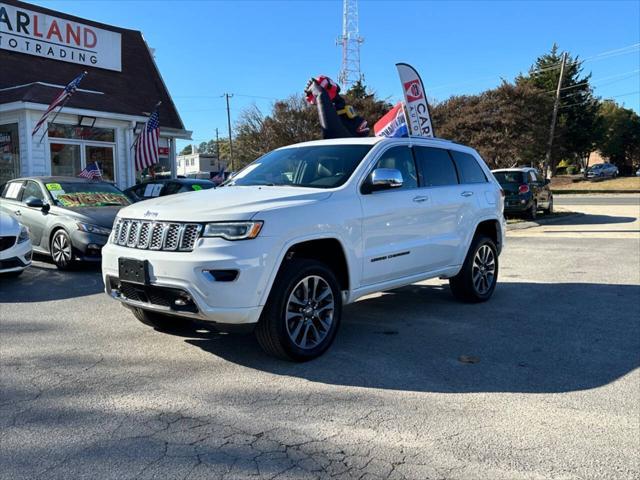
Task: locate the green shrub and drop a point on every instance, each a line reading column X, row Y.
column 572, row 170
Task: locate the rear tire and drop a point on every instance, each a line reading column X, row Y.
column 478, row 277
column 532, row 213
column 303, row 312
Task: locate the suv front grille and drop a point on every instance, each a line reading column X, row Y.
column 144, row 235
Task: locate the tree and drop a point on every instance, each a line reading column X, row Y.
column 507, row 125
column 620, row 138
column 187, row 150
column 577, row 115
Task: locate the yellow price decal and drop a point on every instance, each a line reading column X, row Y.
column 54, row 186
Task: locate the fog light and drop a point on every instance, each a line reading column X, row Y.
column 222, row 275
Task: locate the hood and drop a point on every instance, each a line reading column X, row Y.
column 9, row 226
column 222, row 204
column 101, row 216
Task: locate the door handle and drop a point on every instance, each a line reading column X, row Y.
column 466, row 194
column 420, row 198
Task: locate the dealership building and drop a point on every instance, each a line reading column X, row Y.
column 41, row 51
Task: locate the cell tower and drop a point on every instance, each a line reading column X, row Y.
column 350, row 41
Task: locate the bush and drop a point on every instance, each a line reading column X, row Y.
column 572, row 170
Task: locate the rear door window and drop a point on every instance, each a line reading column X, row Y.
column 12, row 190
column 435, row 167
column 468, row 168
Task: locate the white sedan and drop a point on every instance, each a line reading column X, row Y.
column 15, row 246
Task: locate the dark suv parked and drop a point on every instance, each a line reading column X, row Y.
column 525, row 190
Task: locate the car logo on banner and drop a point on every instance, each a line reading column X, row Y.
column 413, row 91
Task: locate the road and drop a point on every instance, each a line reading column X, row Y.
column 540, row 382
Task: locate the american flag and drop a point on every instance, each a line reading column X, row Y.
column 219, row 178
column 91, row 171
column 59, row 100
column 147, row 143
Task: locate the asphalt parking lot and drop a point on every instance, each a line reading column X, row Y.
column 540, row 382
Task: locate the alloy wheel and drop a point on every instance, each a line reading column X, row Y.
column 309, row 312
column 61, row 249
column 484, row 270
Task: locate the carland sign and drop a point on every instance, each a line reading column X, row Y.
column 46, row 36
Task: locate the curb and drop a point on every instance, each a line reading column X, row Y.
column 542, row 221
column 588, row 192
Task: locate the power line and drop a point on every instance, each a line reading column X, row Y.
column 592, row 100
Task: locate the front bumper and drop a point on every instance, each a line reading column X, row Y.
column 88, row 246
column 236, row 301
column 16, row 258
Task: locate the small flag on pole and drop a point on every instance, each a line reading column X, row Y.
column 219, row 178
column 147, row 143
column 91, row 171
column 60, row 100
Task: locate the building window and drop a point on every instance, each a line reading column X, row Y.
column 9, row 152
column 57, row 130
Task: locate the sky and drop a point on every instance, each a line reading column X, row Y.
column 265, row 50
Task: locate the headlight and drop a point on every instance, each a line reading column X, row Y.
column 86, row 227
column 24, row 234
column 233, row 230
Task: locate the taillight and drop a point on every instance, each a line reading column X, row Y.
column 523, row 189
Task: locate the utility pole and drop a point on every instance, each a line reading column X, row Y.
column 556, row 105
column 228, row 96
column 217, row 150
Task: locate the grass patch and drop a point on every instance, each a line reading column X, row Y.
column 622, row 184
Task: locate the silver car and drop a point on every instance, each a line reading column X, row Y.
column 68, row 218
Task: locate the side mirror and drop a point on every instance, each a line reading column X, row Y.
column 383, row 179
column 34, row 202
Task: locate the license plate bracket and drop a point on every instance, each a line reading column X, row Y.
column 133, row 270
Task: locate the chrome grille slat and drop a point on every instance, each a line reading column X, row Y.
column 169, row 236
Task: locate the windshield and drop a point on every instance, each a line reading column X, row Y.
column 509, row 177
column 86, row 195
column 321, row 166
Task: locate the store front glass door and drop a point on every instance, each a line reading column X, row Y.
column 66, row 159
column 103, row 157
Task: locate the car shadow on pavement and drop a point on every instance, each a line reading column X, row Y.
column 593, row 219
column 42, row 282
column 530, row 337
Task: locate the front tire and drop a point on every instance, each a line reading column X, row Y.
column 303, row 312
column 153, row 319
column 62, row 250
column 477, row 279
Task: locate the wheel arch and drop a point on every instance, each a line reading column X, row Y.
column 492, row 229
column 326, row 249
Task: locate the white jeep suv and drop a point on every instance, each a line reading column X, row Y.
column 301, row 231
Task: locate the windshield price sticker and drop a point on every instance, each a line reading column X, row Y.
column 196, row 187
column 53, row 186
